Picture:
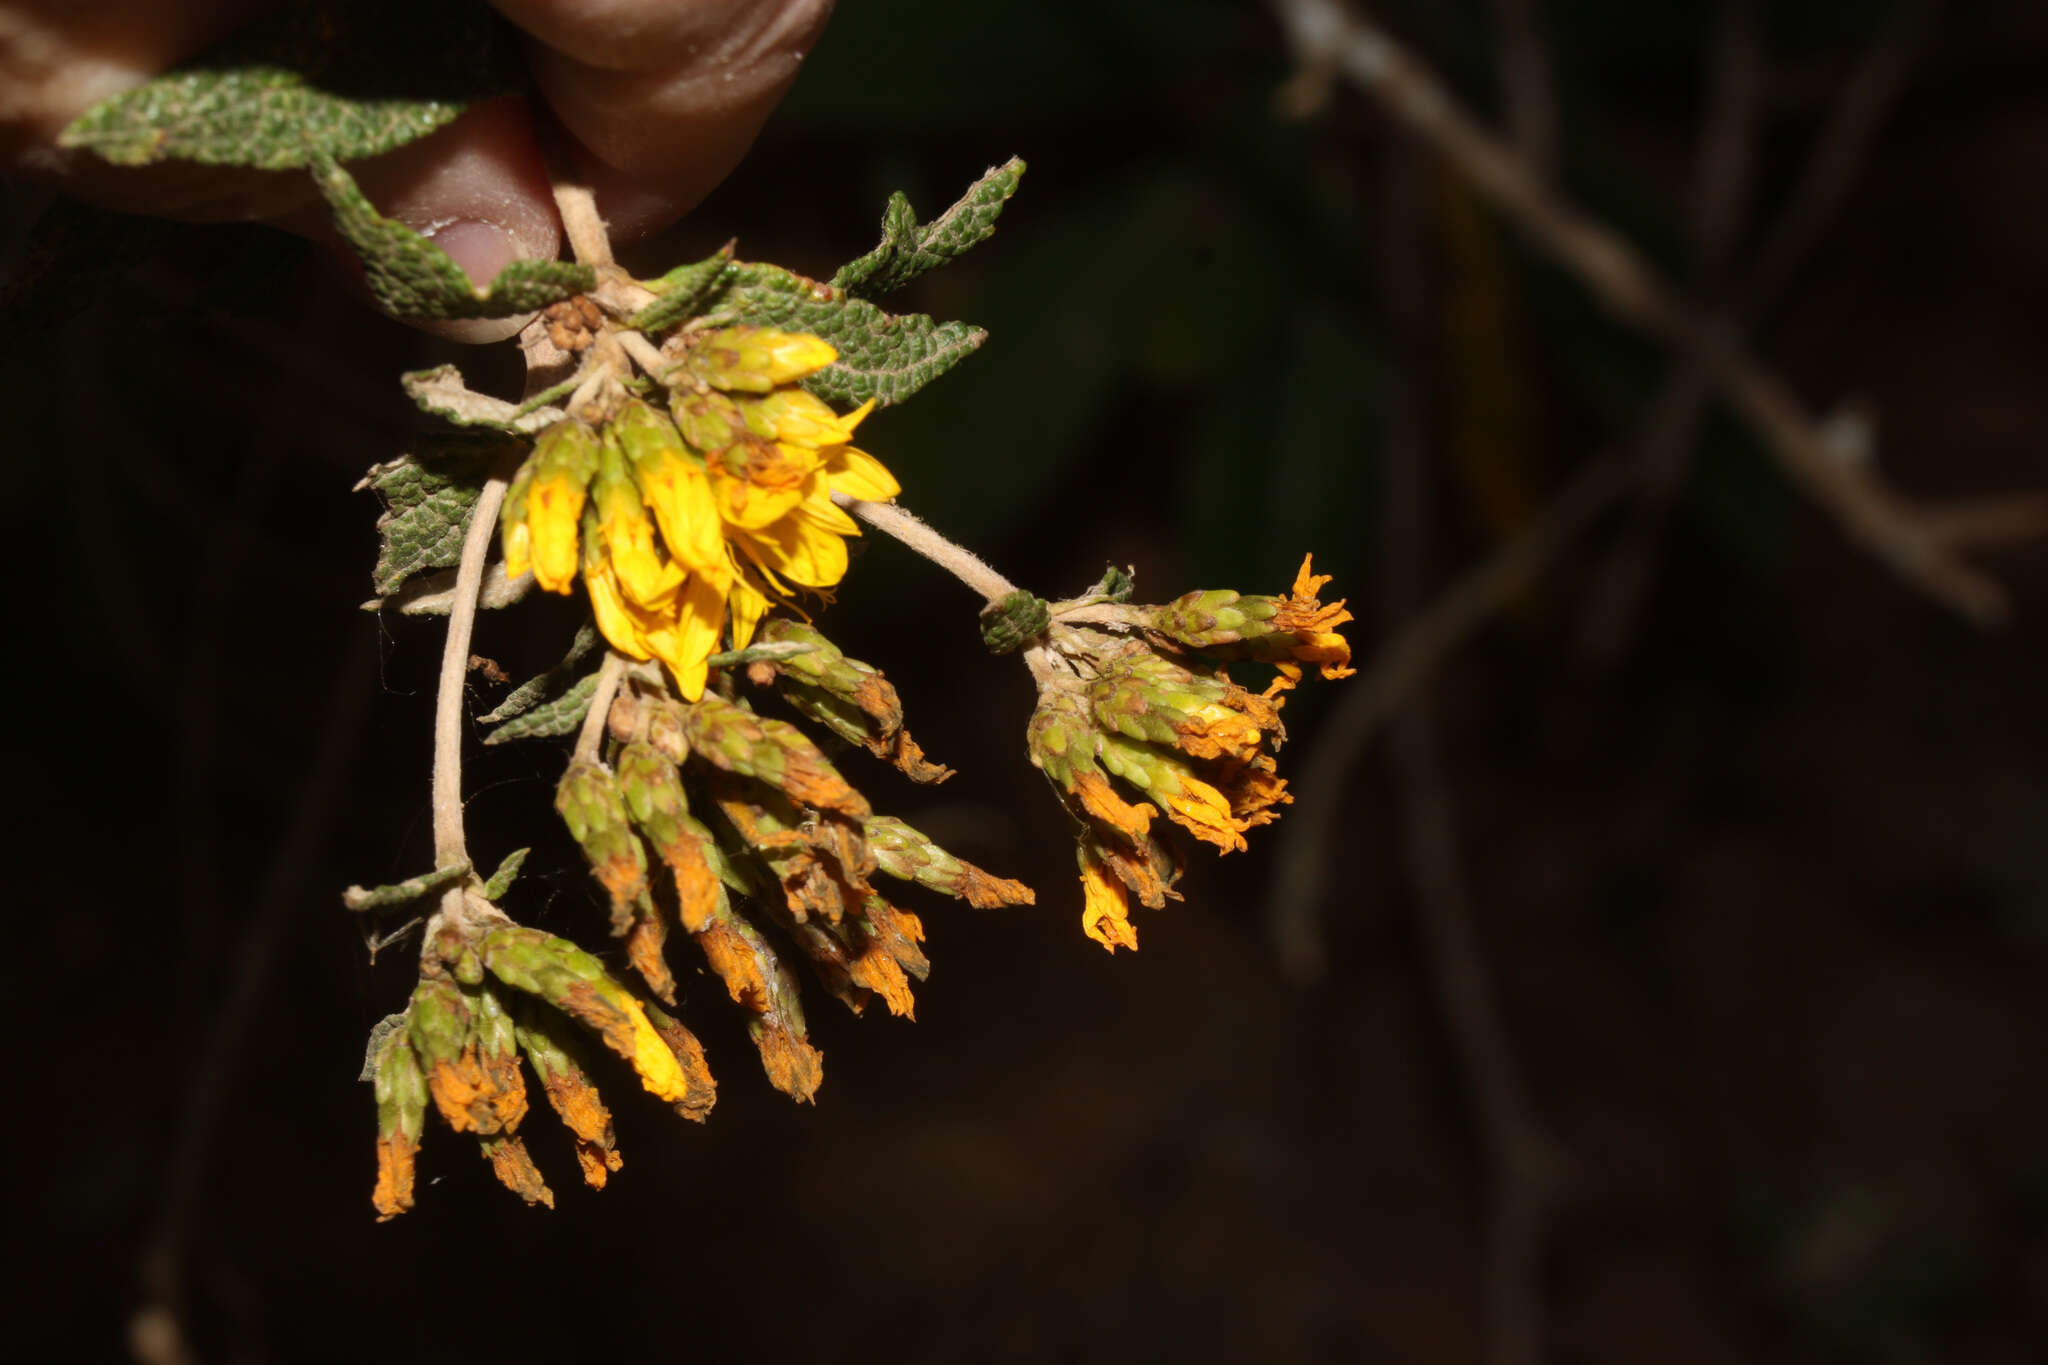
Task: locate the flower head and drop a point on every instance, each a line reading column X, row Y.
column 689, row 525
column 1147, row 721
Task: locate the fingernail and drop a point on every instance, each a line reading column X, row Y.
column 481, row 249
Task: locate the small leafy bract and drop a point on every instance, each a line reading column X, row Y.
column 908, row 249
column 883, row 356
column 427, row 502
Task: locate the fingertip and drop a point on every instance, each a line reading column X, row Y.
column 481, row 249
column 669, row 93
column 479, row 190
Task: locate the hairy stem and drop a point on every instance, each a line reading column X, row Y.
column 592, row 733
column 956, row 560
column 449, row 843
column 645, row 353
column 580, row 220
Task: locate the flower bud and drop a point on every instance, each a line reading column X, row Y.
column 566, row 1083
column 755, row 359
column 626, row 530
column 590, row 805
column 563, row 462
column 401, row 1116
column 733, row 738
column 672, row 481
column 577, row 984
column 908, row 855
column 850, row 698
column 1190, row 802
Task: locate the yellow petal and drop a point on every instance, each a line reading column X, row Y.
column 819, row 509
column 656, row 1065
column 518, row 549
column 627, row 533
column 799, row 418
column 757, row 482
column 800, row 550
column 691, row 636
column 1106, row 907
column 615, row 619
column 858, row 474
column 553, row 509
column 1204, row 812
column 747, row 604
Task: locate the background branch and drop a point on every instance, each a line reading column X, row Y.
column 1669, row 433
column 1873, row 515
column 1527, row 93
column 1520, row 1168
column 1408, row 659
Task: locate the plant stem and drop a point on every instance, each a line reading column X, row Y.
column 592, row 733
column 956, row 560
column 645, row 354
column 449, row 843
column 580, row 220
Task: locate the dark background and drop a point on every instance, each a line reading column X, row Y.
column 1761, row 900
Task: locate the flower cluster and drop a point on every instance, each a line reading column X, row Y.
column 489, row 992
column 1144, row 716
column 710, row 512
column 692, row 501
column 698, row 815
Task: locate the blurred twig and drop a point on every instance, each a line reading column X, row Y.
column 1728, row 138
column 156, row 1331
column 1394, row 677
column 1928, row 536
column 1526, row 93
column 1521, row 1170
column 1669, row 434
column 1327, row 35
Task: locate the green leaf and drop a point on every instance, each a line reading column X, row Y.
column 683, row 291
column 908, row 250
column 501, row 880
column 316, row 80
column 547, row 686
column 405, row 892
column 881, row 356
column 427, row 504
column 412, row 279
column 768, row 653
column 380, row 1038
column 557, row 717
column 440, row 392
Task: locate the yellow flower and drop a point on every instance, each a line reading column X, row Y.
column 1106, row 905
column 721, row 508
column 562, row 465
column 626, row 531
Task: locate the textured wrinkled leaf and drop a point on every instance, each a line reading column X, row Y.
column 557, row 717
column 908, row 249
column 547, row 686
column 684, row 290
column 508, row 872
column 883, row 356
column 313, row 80
column 405, row 892
column 413, row 279
column 427, row 502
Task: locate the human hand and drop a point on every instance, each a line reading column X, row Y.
column 658, row 99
